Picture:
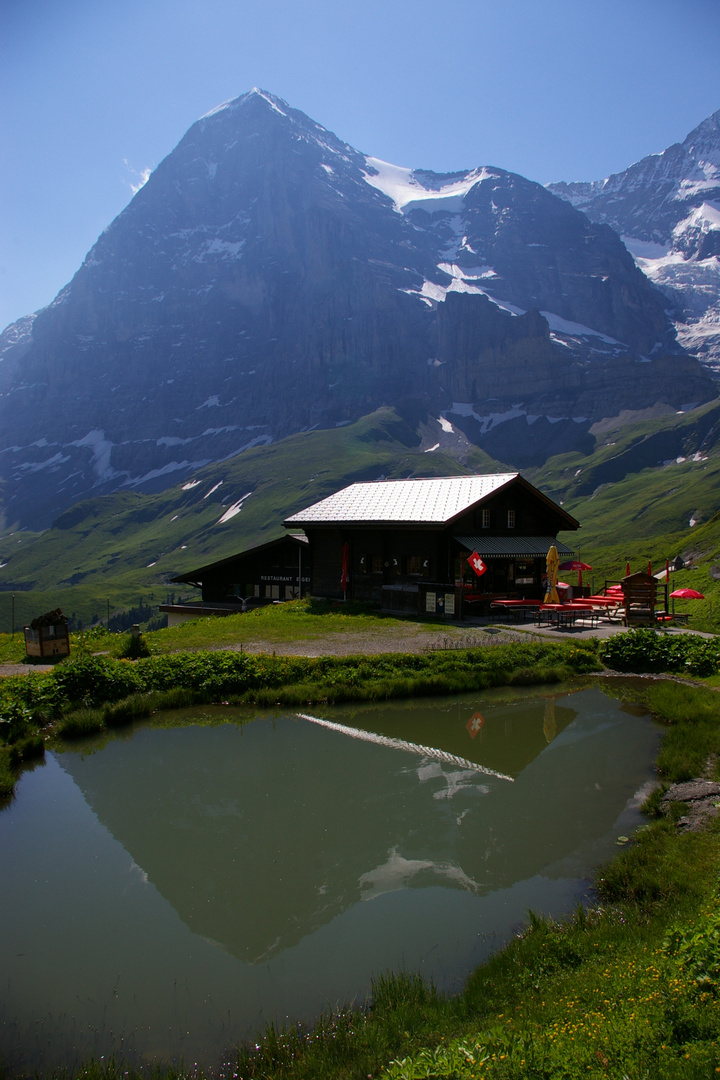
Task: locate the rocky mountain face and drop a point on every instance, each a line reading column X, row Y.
column 666, row 207
column 269, row 279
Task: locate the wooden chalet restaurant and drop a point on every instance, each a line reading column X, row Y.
column 445, row 546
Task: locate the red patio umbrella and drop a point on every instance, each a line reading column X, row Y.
column 685, row 594
column 575, row 564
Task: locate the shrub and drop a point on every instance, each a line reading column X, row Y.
column 32, row 746
column 135, row 707
column 649, row 650
column 133, row 648
column 80, row 723
column 95, row 680
column 15, row 720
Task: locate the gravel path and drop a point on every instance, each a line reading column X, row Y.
column 409, row 638
column 405, row 639
column 22, row 669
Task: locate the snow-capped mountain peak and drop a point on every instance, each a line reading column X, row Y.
column 666, row 208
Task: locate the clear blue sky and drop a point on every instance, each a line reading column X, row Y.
column 95, row 92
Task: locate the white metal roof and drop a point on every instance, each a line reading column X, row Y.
column 432, row 501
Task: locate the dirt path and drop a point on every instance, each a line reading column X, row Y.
column 408, row 638
column 405, row 640
column 23, row 669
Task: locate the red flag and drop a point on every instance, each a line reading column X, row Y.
column 477, row 564
column 474, row 724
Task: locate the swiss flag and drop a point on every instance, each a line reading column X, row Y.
column 474, row 724
column 477, row 564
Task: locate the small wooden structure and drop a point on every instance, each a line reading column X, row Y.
column 639, row 597
column 47, row 636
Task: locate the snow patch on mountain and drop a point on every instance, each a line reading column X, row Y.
column 233, row 510
column 692, row 282
column 705, row 217
column 408, row 193
column 488, row 421
column 36, row 466
column 224, row 249
column 101, row 450
column 574, row 329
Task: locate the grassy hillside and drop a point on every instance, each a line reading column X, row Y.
column 120, row 547
column 635, row 496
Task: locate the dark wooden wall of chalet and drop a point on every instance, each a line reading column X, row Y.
column 327, row 550
column 326, row 562
column 248, row 569
column 532, row 516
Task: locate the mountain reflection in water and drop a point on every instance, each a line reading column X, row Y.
column 258, row 835
column 169, row 890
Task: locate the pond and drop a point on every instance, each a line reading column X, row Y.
column 170, row 889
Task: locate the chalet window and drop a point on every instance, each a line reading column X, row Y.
column 511, row 519
column 415, row 564
column 377, row 564
column 485, row 518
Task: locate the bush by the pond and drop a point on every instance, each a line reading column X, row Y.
column 94, row 680
column 81, row 722
column 89, row 682
column 649, row 650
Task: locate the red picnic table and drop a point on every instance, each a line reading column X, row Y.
column 516, row 608
column 565, row 614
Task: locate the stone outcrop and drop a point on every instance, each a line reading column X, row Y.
column 701, row 799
